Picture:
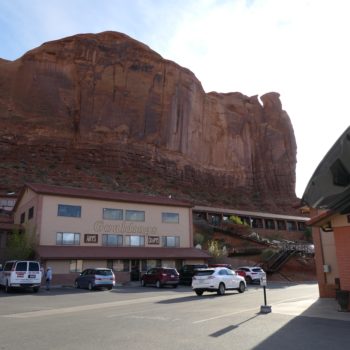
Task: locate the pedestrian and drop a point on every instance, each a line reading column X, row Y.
column 48, row 278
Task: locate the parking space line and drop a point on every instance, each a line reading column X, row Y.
column 225, row 315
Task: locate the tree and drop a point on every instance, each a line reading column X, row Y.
column 20, row 246
column 215, row 250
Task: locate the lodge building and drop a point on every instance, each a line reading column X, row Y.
column 78, row 228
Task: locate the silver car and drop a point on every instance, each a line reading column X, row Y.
column 95, row 278
column 217, row 280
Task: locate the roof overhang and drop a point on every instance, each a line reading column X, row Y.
column 96, row 252
column 329, row 186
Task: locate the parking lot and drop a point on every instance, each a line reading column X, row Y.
column 134, row 317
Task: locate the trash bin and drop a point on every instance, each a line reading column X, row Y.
column 342, row 297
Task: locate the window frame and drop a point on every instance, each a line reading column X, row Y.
column 119, row 240
column 166, row 220
column 129, row 238
column 76, row 238
column 167, row 239
column 129, row 212
column 106, row 210
column 62, row 213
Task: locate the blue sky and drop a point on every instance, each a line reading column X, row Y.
column 299, row 48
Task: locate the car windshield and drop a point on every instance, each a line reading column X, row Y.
column 257, row 270
column 104, row 272
column 204, row 272
column 170, row 271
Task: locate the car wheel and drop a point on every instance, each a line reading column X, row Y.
column 90, row 287
column 248, row 279
column 36, row 289
column 221, row 290
column 109, row 288
column 76, row 284
column 198, row 292
column 174, row 285
column 143, row 284
column 241, row 287
column 158, row 284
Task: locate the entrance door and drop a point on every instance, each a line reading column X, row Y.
column 135, row 270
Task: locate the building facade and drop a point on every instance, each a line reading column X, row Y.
column 78, row 228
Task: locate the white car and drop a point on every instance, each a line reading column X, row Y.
column 218, row 279
column 252, row 273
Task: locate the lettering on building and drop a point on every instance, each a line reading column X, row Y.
column 90, row 238
column 153, row 239
column 101, row 227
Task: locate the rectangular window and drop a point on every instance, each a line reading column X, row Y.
column 301, row 226
column 171, row 241
column 31, row 213
column 291, row 226
column 23, row 218
column 171, row 218
column 135, row 241
column 112, row 214
column 76, row 266
column 112, row 240
column 134, row 215
column 270, row 224
column 281, row 224
column 67, row 238
column 257, row 223
column 73, row 211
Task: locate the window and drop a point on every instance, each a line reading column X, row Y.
column 171, row 241
column 112, row 214
column 301, row 226
column 281, row 224
column 76, row 266
column 257, row 223
column 134, row 215
column 171, row 218
column 291, row 226
column 33, row 266
column 31, row 213
column 69, row 210
column 67, row 238
column 134, row 241
column 112, row 240
column 21, row 266
column 23, row 218
column 270, row 224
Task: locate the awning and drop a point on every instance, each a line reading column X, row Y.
column 329, row 186
column 114, row 253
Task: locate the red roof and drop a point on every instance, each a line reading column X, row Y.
column 319, row 219
column 102, row 195
column 84, row 252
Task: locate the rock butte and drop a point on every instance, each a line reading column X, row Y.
column 105, row 111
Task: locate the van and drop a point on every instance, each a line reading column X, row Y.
column 21, row 274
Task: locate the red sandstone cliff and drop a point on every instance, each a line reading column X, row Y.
column 106, row 111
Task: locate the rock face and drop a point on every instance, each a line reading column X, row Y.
column 106, row 111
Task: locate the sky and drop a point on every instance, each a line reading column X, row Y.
column 298, row 48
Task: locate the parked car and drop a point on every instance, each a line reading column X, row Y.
column 95, row 278
column 160, row 276
column 218, row 279
column 221, row 265
column 187, row 272
column 253, row 274
column 21, row 274
column 241, row 273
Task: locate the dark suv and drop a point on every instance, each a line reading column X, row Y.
column 161, row 276
column 187, row 272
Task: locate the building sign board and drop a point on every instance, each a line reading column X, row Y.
column 90, row 238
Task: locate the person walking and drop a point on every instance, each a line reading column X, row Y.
column 48, row 278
